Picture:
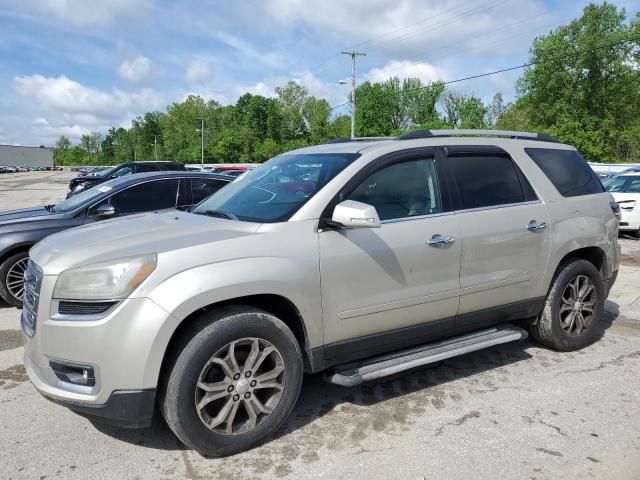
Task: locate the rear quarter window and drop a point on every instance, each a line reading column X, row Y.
column 568, row 171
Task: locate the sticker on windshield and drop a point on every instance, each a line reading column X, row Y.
column 104, row 189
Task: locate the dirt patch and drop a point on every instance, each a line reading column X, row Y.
column 11, row 377
column 630, row 261
column 10, row 339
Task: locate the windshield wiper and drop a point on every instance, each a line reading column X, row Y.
column 218, row 214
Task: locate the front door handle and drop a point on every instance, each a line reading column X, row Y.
column 440, row 240
column 534, row 225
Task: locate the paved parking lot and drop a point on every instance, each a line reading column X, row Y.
column 514, row 411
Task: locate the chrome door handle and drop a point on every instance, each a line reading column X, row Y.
column 534, row 225
column 440, row 240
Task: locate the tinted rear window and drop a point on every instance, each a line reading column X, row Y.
column 567, row 170
column 486, row 181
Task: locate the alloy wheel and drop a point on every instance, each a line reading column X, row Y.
column 240, row 386
column 577, row 305
column 15, row 278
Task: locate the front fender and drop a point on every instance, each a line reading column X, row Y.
column 196, row 288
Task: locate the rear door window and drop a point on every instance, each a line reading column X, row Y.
column 568, row 171
column 145, row 197
column 487, row 181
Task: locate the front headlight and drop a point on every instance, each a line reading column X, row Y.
column 111, row 280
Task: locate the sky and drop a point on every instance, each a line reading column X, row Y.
column 70, row 67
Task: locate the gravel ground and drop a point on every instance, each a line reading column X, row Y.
column 514, row 411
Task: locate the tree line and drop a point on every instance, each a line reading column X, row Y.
column 582, row 86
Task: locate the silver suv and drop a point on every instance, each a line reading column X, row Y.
column 359, row 258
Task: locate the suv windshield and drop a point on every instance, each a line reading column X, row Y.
column 275, row 190
column 624, row 184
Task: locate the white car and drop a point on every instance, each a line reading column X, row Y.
column 625, row 189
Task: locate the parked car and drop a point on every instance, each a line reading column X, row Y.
column 227, row 168
column 614, row 175
column 233, row 173
column 80, row 183
column 625, row 189
column 407, row 251
column 21, row 229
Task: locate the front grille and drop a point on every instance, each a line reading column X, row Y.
column 83, row 308
column 32, row 284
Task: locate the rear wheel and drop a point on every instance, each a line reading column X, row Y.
column 234, row 381
column 573, row 308
column 12, row 278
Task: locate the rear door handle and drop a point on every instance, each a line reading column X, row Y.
column 534, row 225
column 440, row 240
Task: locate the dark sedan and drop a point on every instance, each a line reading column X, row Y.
column 144, row 192
column 83, row 182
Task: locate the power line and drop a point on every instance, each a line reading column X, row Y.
column 391, row 32
column 517, row 67
column 476, row 46
column 433, row 26
column 439, row 25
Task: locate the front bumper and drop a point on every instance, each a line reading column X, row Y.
column 127, row 409
column 125, row 349
column 630, row 220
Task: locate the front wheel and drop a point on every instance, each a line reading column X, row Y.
column 573, row 307
column 234, row 381
column 12, row 278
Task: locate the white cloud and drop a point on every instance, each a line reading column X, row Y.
column 270, row 59
column 84, row 13
column 407, row 69
column 61, row 106
column 136, row 70
column 198, row 71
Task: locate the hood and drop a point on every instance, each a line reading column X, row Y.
column 156, row 232
column 26, row 214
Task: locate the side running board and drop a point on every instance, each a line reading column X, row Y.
column 378, row 367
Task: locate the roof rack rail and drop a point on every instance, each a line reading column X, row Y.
column 358, row 139
column 543, row 137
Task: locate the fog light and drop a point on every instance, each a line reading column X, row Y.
column 75, row 374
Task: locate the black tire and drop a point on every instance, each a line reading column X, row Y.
column 548, row 329
column 211, row 332
column 5, row 268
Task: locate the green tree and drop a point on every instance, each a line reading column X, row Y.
column 63, row 144
column 316, row 113
column 292, row 97
column 584, row 84
column 496, row 110
column 463, row 111
column 393, row 106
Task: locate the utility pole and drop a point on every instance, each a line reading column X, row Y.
column 155, row 147
column 201, row 130
column 353, row 55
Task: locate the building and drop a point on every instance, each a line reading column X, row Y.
column 15, row 156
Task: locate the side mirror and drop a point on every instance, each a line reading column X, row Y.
column 106, row 211
column 355, row 215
